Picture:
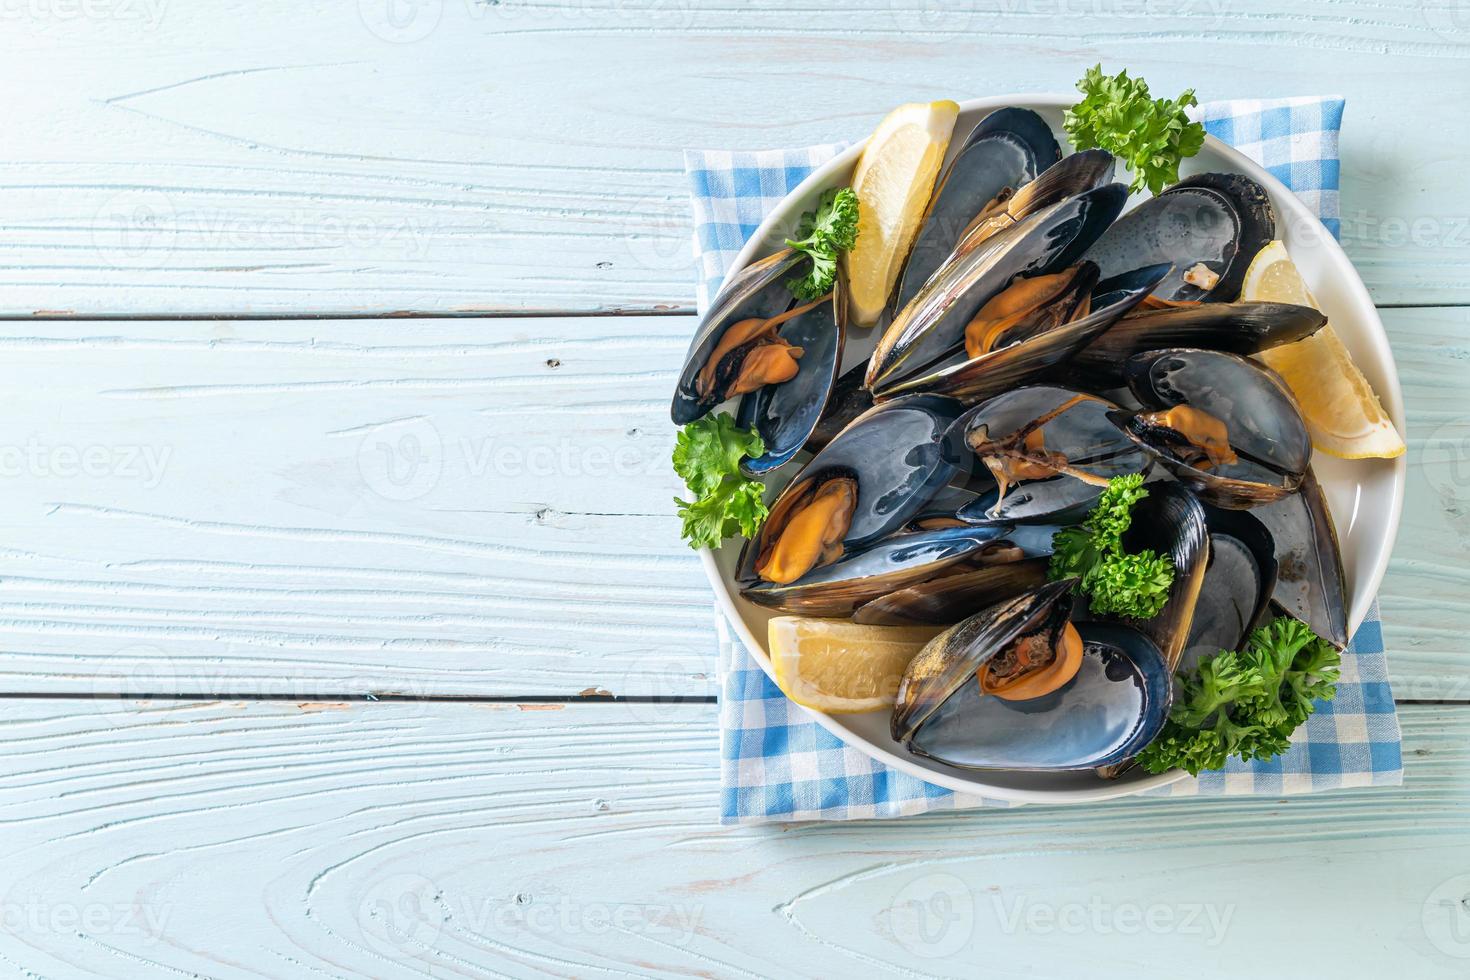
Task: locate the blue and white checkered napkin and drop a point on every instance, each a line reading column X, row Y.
column 777, row 764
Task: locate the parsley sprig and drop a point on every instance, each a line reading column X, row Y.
column 1115, row 580
column 707, row 455
column 1150, row 135
column 821, row 235
column 1246, row 703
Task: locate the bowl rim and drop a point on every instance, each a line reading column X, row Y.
column 1390, row 395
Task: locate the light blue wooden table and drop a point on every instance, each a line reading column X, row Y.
column 344, row 625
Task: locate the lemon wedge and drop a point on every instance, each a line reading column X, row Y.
column 839, row 667
column 893, row 180
column 1343, row 414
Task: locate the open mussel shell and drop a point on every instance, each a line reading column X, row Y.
column 1003, row 153
column 1262, row 422
column 931, row 327
column 896, row 454
column 951, row 659
column 863, row 574
column 1115, row 705
column 971, row 379
column 1001, row 570
column 758, row 290
column 1309, row 582
column 1216, row 220
column 1238, row 584
column 1237, row 328
column 1079, row 428
column 1171, row 522
column 786, row 414
column 1066, row 178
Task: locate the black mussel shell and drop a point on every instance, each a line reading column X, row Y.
column 1263, row 423
column 863, row 574
column 786, row 414
column 1171, row 522
column 1002, row 570
column 1310, row 584
column 973, row 379
column 1238, row 584
column 1082, row 431
column 758, row 290
column 1215, row 219
column 897, row 454
column 847, row 401
column 950, row 660
column 1003, row 153
column 1237, row 328
column 931, row 327
column 1117, row 704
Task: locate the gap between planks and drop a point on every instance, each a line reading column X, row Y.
column 677, row 308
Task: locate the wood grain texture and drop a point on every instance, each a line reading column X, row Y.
column 450, row 507
column 251, row 839
column 452, row 155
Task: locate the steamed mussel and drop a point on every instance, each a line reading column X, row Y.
column 1019, row 686
column 1236, row 328
column 1226, row 427
column 1049, row 452
column 1001, row 569
column 1002, row 154
column 1208, row 227
column 780, row 356
column 931, row 327
column 836, row 536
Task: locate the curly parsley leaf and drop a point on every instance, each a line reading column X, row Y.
column 707, row 455
column 1151, row 136
column 709, row 449
column 1135, row 585
column 1246, row 703
column 821, row 235
column 1116, row 581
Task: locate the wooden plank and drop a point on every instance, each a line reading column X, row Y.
column 526, row 155
column 1425, row 612
column 256, row 839
column 311, row 509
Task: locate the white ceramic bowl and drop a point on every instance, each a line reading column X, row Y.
column 1365, row 496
